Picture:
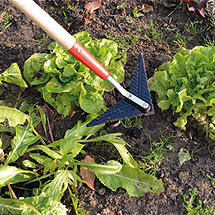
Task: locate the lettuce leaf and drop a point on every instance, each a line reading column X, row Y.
column 187, row 85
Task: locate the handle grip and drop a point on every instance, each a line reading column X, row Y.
column 83, row 55
column 60, row 35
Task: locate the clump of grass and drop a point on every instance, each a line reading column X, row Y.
column 194, row 206
column 5, row 20
column 153, row 34
column 156, row 154
column 132, row 123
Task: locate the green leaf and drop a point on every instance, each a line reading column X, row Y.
column 54, row 86
column 29, row 164
column 12, row 175
column 24, row 138
column 111, row 167
column 13, row 116
column 73, row 148
column 17, row 206
column 38, row 157
column 30, row 109
column 164, row 104
column 62, row 102
column 81, row 130
column 6, row 129
column 159, row 83
column 43, row 119
column 47, row 150
column 183, row 156
column 134, row 180
column 51, row 67
column 123, row 5
column 41, row 205
column 119, row 143
column 34, row 69
column 58, row 185
column 136, row 14
column 90, row 101
column 51, row 165
column 182, row 95
column 46, row 205
column 13, row 76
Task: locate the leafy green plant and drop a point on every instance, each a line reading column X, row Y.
column 187, row 84
column 53, row 167
column 66, row 83
column 194, row 206
column 61, row 166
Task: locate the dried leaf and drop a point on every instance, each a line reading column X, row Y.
column 147, row 8
column 87, row 21
column 168, row 5
column 210, row 7
column 87, row 175
column 1, row 155
column 90, row 7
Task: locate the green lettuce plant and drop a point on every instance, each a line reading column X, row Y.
column 65, row 82
column 187, row 85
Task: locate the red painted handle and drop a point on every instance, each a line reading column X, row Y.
column 79, row 52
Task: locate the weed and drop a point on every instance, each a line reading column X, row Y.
column 124, row 43
column 69, row 7
column 6, row 20
column 111, row 30
column 153, row 34
column 41, row 42
column 212, row 179
column 123, row 5
column 180, row 40
column 133, row 39
column 156, row 154
column 195, row 28
column 132, row 123
column 194, row 206
column 209, row 40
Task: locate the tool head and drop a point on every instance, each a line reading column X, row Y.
column 126, row 108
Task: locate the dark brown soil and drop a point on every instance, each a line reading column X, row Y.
column 24, row 38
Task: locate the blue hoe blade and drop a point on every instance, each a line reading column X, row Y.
column 125, row 109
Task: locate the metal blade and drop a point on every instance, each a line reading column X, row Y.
column 126, row 108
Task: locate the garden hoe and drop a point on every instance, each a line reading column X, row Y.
column 136, row 102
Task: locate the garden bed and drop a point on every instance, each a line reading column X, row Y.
column 154, row 140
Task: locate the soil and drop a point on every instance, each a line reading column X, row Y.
column 23, row 38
